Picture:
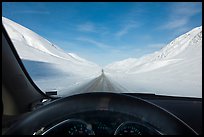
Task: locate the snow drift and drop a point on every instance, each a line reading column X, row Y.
column 49, row 66
column 175, row 70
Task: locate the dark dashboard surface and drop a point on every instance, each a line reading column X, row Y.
column 110, row 122
column 101, row 123
column 187, row 109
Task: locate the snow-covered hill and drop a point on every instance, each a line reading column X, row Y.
column 174, row 70
column 42, row 57
column 169, row 54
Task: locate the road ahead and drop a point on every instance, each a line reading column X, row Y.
column 101, row 83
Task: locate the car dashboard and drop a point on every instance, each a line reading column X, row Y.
column 99, row 123
column 67, row 116
column 116, row 123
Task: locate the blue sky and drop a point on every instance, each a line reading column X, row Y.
column 104, row 32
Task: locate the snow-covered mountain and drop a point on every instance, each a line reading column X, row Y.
column 31, row 46
column 174, row 70
column 49, row 66
column 169, row 54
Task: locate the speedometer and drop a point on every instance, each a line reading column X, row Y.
column 70, row 127
column 133, row 128
column 79, row 128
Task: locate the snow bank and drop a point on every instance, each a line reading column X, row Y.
column 50, row 67
column 175, row 70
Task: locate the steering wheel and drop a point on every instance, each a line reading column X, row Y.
column 162, row 120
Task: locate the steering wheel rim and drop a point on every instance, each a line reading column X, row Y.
column 160, row 118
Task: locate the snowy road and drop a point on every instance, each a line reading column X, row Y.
column 101, row 83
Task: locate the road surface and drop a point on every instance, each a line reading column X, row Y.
column 101, row 83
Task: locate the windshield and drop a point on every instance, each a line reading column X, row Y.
column 133, row 47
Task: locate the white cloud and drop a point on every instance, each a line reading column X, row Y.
column 94, row 42
column 124, row 31
column 33, row 12
column 99, row 29
column 130, row 20
column 180, row 15
column 131, row 25
column 186, row 9
column 86, row 27
column 175, row 23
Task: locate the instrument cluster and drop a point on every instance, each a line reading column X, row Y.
column 98, row 124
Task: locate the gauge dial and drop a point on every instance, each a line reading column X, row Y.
column 127, row 129
column 79, row 128
column 132, row 128
column 70, row 127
